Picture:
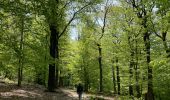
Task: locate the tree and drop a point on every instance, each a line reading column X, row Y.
column 162, row 14
column 142, row 12
column 55, row 35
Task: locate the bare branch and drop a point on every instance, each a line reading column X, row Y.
column 105, row 17
column 157, row 35
column 104, row 23
column 66, row 4
column 73, row 17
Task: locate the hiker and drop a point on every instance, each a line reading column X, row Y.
column 80, row 91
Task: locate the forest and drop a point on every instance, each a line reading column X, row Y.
column 115, row 48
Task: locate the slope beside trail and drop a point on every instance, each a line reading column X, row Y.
column 37, row 92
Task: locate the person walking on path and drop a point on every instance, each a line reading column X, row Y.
column 80, row 91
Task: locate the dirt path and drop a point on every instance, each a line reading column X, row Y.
column 30, row 92
column 73, row 94
column 33, row 92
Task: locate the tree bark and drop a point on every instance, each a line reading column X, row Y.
column 137, row 81
column 57, row 59
column 142, row 14
column 131, row 64
column 131, row 73
column 146, row 38
column 137, row 72
column 86, row 80
column 20, row 67
column 118, row 77
column 114, row 79
column 100, row 68
column 150, row 95
column 52, row 68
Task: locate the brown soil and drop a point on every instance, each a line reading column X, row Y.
column 37, row 92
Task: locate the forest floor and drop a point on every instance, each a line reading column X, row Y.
column 37, row 92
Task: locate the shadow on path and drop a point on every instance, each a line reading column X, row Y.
column 30, row 92
column 37, row 92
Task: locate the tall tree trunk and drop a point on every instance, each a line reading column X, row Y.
column 137, row 81
column 20, row 67
column 52, row 69
column 150, row 95
column 57, row 59
column 131, row 73
column 142, row 14
column 137, row 72
column 100, row 67
column 131, row 64
column 86, row 80
column 118, row 77
column 146, row 38
column 114, row 78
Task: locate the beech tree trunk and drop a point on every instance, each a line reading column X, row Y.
column 137, row 72
column 57, row 59
column 86, row 80
column 118, row 77
column 150, row 95
column 114, row 79
column 52, row 68
column 131, row 73
column 100, row 67
column 131, row 64
column 142, row 14
column 20, row 67
column 137, row 81
column 146, row 38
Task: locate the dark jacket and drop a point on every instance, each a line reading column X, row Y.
column 79, row 88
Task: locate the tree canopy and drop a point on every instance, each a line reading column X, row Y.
column 115, row 47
